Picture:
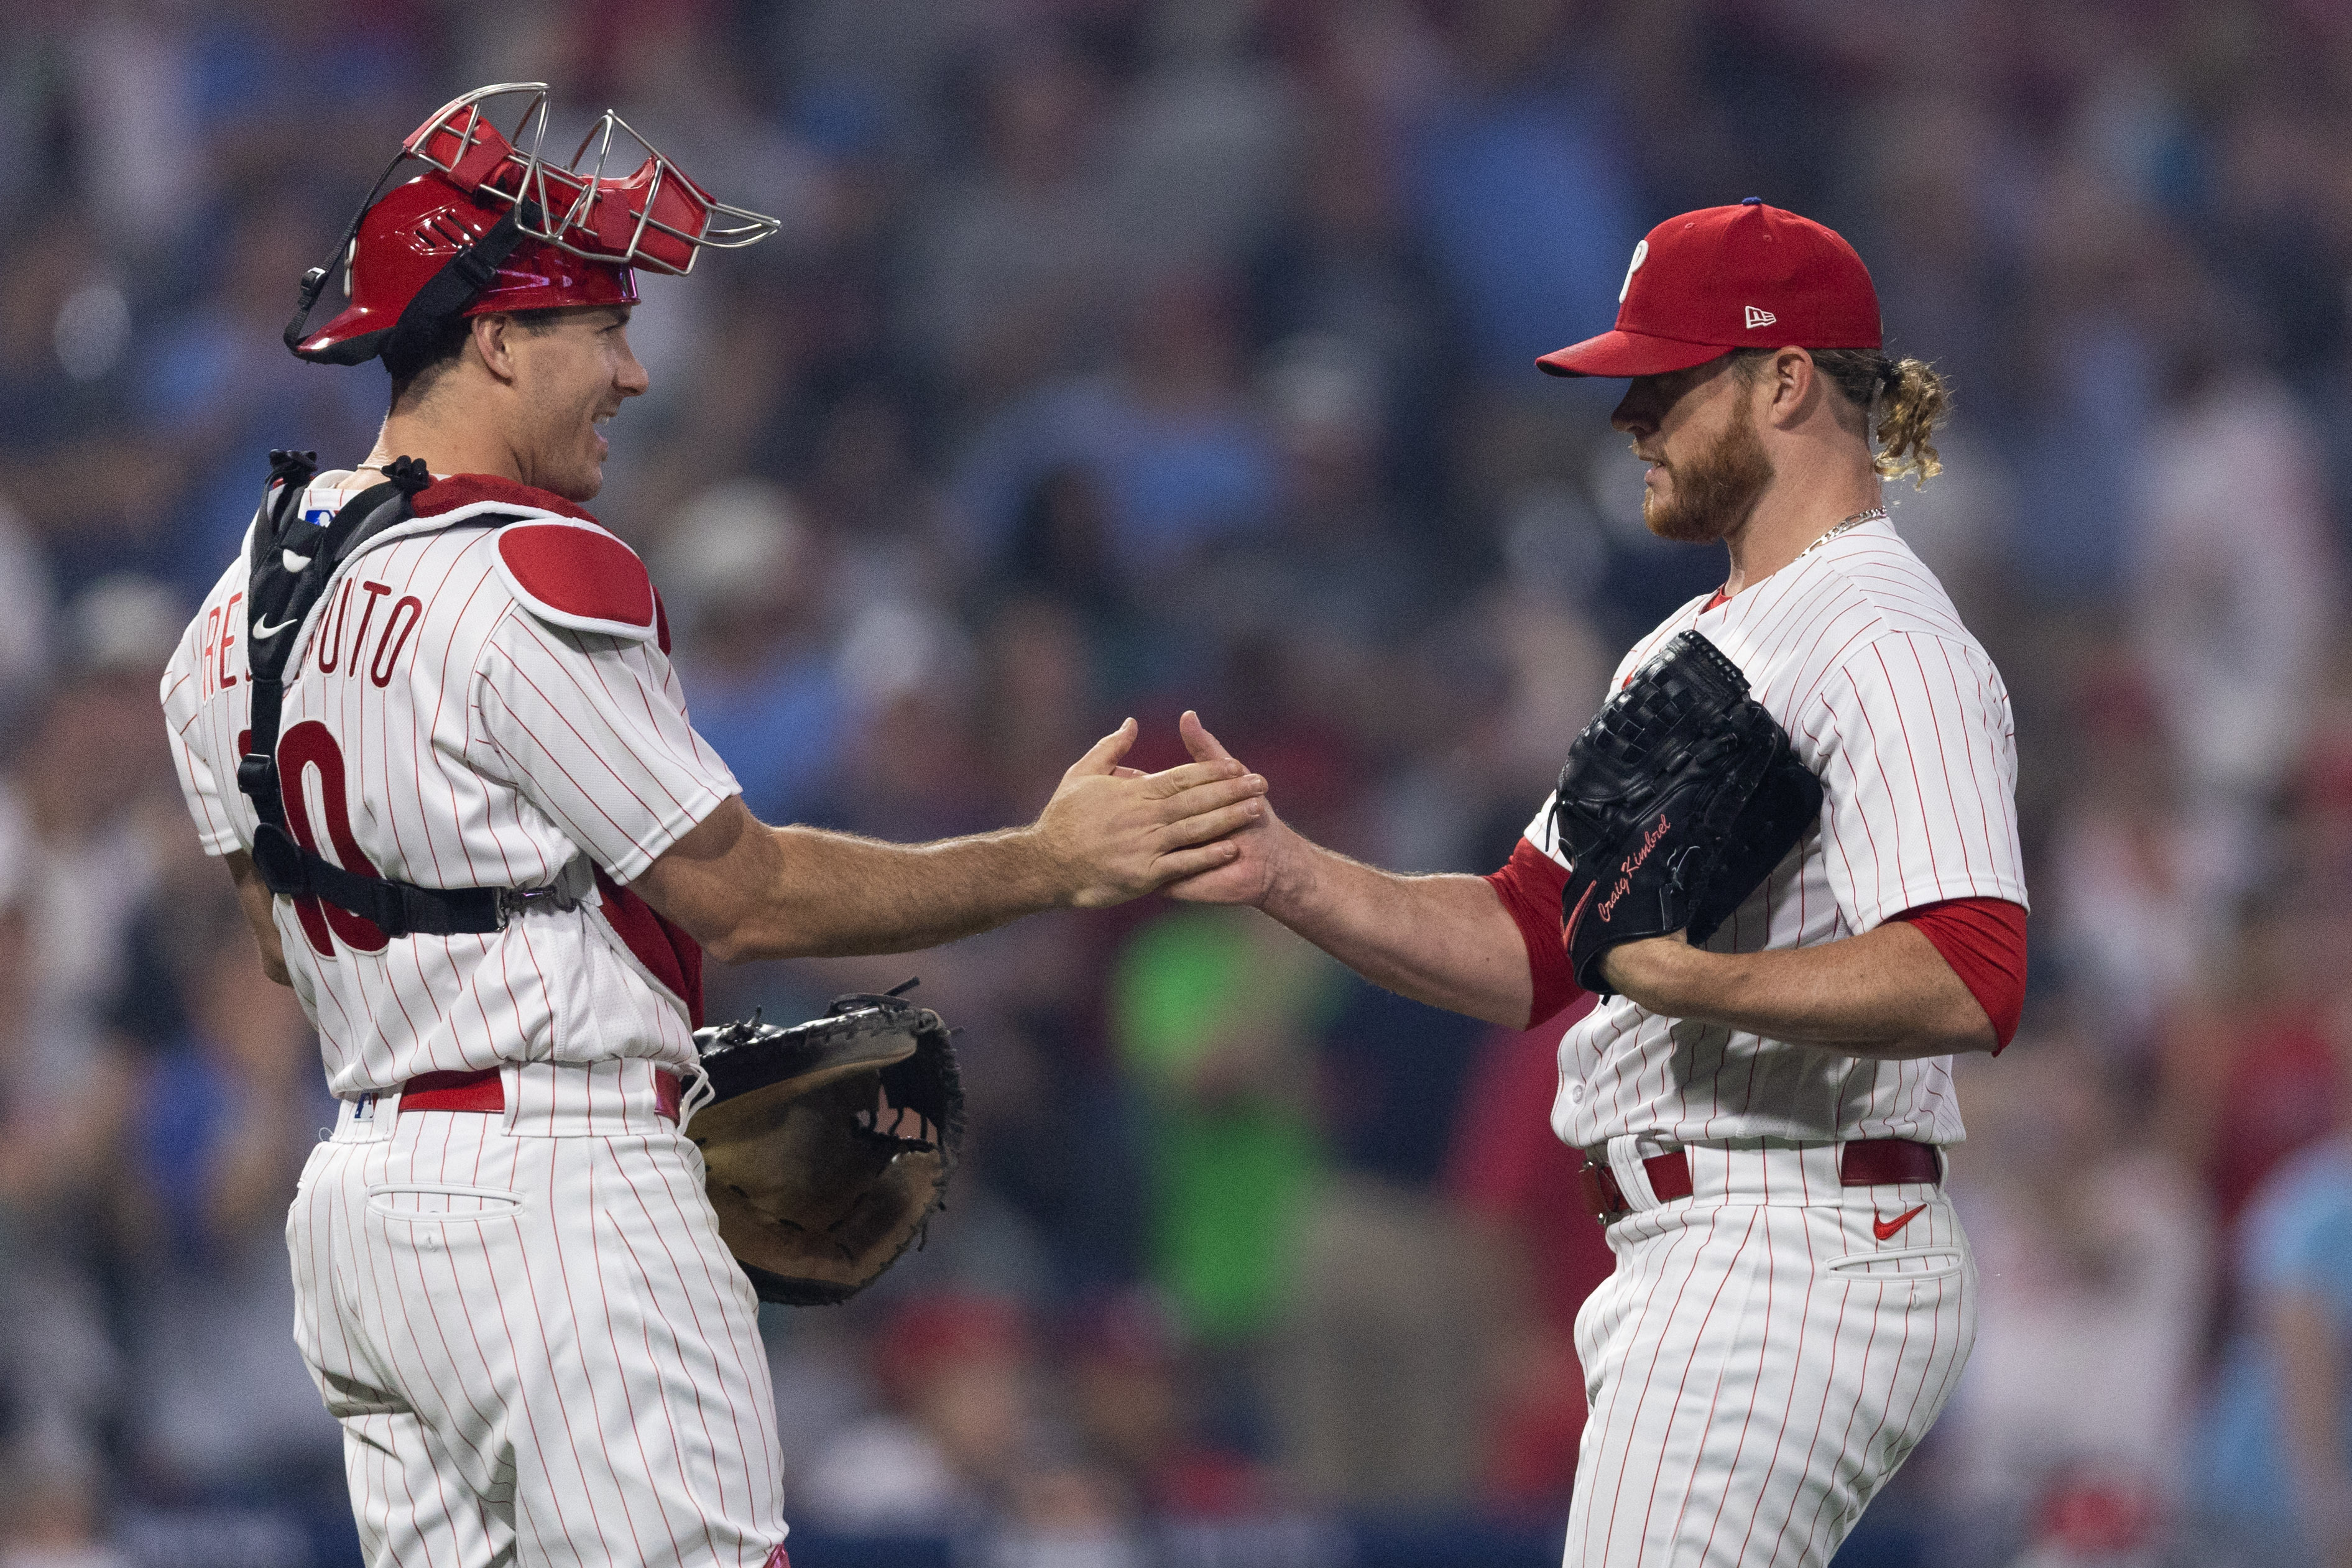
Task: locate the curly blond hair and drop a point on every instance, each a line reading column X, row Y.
column 1908, row 398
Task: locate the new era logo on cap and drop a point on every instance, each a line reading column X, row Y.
column 1748, row 275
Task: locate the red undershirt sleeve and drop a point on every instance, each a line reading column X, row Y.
column 1984, row 941
column 1530, row 884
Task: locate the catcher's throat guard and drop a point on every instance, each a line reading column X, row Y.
column 828, row 1145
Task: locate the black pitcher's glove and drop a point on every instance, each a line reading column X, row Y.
column 1677, row 801
column 829, row 1144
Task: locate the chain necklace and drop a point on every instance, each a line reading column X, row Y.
column 1873, row 515
column 1856, row 520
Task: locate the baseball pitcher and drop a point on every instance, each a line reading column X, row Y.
column 1785, row 859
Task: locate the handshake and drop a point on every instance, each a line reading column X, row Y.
column 1202, row 831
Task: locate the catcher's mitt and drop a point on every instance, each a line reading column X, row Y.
column 829, row 1143
column 1677, row 801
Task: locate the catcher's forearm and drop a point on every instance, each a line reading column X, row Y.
column 833, row 895
column 1887, row 994
column 746, row 890
column 1444, row 939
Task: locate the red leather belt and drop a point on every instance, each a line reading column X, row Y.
column 1867, row 1163
column 482, row 1091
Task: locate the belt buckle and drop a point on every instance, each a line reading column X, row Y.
column 1602, row 1195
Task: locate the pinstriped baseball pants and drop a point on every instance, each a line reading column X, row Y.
column 538, row 1349
column 1762, row 1361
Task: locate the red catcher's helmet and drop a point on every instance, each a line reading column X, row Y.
column 490, row 225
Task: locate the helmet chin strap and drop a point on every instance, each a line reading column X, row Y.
column 314, row 281
column 451, row 289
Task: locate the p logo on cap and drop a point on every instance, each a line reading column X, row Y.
column 1641, row 254
column 1748, row 275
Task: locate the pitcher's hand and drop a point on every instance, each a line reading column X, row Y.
column 1262, row 846
column 1114, row 834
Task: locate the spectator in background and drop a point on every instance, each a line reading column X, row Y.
column 49, row 1512
column 958, row 1378
column 217, row 385
column 85, row 490
column 914, row 759
column 2233, row 578
column 1061, row 551
column 867, row 495
column 1169, row 433
column 1215, row 1019
column 75, row 865
column 2273, row 1477
column 2140, row 890
column 2095, row 1254
column 1541, row 1253
column 1336, row 567
column 1016, row 258
column 1206, row 142
column 224, row 1117
column 2081, row 375
column 2248, row 1075
column 1374, row 1368
column 746, row 593
column 1345, row 270
column 1138, row 1413
column 1517, row 190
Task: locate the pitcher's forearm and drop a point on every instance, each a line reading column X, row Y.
column 1444, row 939
column 1887, row 994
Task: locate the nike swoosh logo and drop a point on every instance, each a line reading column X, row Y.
column 1886, row 1228
column 1568, row 936
column 294, row 563
column 264, row 629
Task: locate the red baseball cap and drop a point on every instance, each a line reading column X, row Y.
column 1743, row 277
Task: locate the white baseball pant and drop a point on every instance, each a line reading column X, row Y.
column 540, row 1351
column 1762, row 1359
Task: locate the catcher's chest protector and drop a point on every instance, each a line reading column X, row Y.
column 292, row 566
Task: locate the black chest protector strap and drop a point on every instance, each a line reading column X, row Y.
column 293, row 562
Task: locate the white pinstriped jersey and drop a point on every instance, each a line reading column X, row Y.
column 1855, row 649
column 453, row 731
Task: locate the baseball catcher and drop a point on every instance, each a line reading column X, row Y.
column 428, row 720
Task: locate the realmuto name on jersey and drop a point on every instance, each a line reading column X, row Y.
column 470, row 705
column 374, row 645
column 221, row 629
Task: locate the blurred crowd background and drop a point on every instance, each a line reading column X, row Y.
column 1120, row 356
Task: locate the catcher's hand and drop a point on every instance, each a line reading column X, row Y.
column 1676, row 802
column 1118, row 833
column 829, row 1144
